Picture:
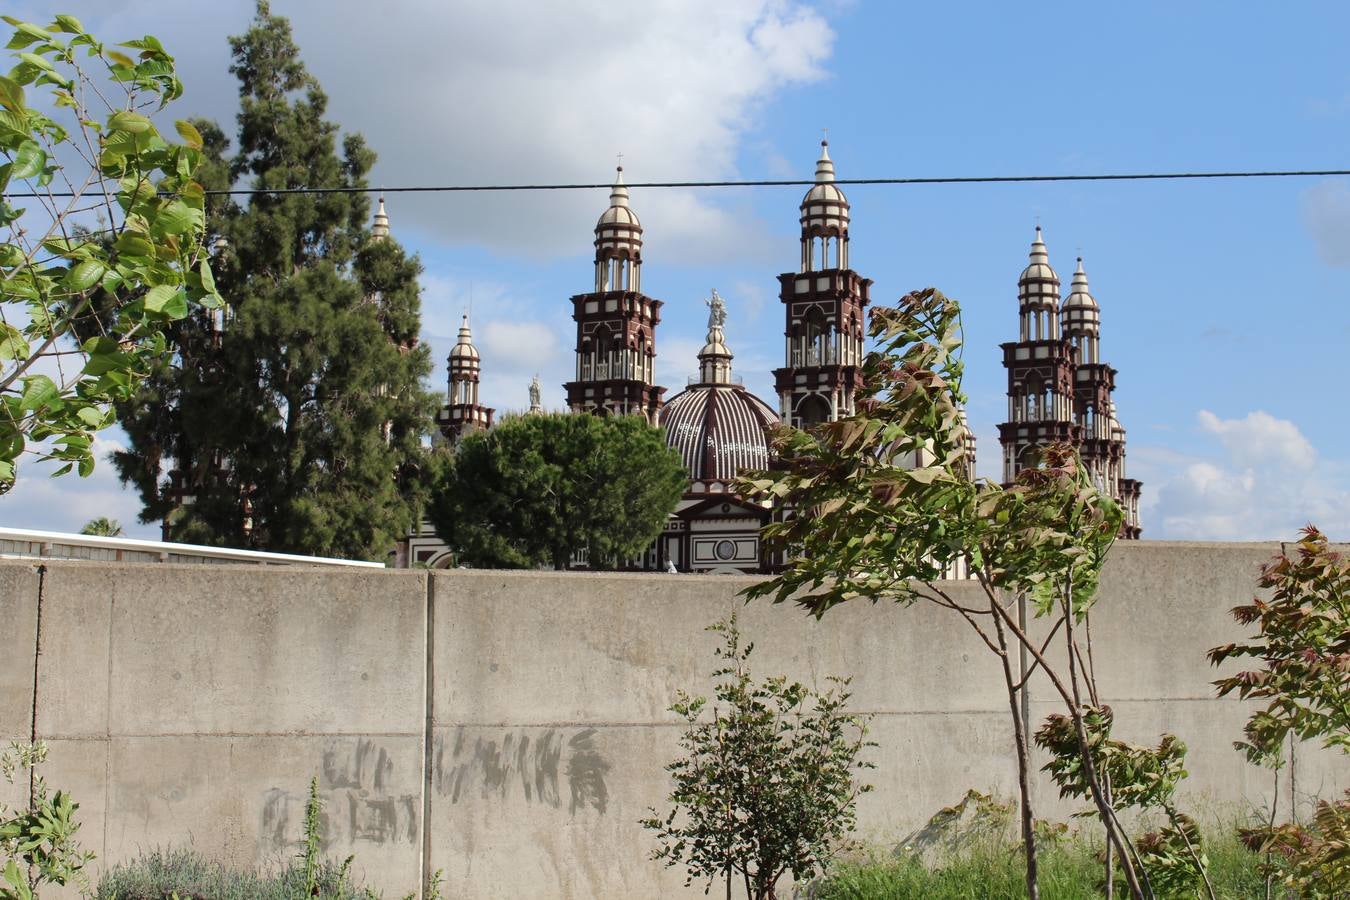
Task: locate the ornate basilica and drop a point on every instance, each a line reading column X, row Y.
column 1058, row 387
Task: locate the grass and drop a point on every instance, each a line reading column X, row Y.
column 993, row 870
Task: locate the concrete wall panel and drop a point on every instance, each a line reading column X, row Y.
column 18, row 612
column 73, row 671
column 238, row 650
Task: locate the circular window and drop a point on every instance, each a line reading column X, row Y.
column 725, row 550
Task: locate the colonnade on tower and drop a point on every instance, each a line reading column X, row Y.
column 1059, row 390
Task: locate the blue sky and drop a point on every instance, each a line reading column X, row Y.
column 1224, row 303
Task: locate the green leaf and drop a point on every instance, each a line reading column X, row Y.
column 208, row 280
column 176, row 217
column 190, row 135
column 28, row 160
column 25, row 34
column 120, row 58
column 84, row 275
column 68, row 24
column 159, row 296
column 166, row 300
column 40, row 62
column 13, row 345
column 11, row 95
column 130, row 244
column 38, row 391
column 130, row 122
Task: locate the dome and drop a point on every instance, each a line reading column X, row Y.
column 1038, row 283
column 825, row 208
column 719, row 430
column 1080, row 312
column 464, row 351
column 618, row 231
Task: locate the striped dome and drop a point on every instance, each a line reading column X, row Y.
column 719, row 430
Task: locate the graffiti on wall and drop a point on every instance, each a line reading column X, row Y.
column 550, row 768
column 359, row 804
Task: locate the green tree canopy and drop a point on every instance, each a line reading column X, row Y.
column 293, row 422
column 535, row 489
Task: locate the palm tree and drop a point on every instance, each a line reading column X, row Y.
column 103, row 527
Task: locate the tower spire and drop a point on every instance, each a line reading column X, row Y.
column 616, row 322
column 379, row 229
column 824, row 303
column 462, row 412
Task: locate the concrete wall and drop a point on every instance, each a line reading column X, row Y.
column 511, row 728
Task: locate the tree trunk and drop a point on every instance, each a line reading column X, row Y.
column 1023, row 762
column 1104, row 809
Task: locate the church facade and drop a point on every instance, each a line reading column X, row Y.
column 1058, row 387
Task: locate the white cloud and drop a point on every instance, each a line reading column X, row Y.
column 66, row 503
column 1326, row 215
column 1261, row 480
column 1260, row 438
column 517, row 343
column 483, row 91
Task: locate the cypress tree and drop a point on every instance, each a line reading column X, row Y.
column 294, row 421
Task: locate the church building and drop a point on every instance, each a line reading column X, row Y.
column 1059, row 389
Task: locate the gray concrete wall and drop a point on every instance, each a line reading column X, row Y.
column 511, row 728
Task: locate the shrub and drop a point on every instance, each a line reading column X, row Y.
column 185, row 874
column 768, row 787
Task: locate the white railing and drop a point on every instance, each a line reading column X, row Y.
column 25, row 543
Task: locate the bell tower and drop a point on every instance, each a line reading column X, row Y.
column 462, row 412
column 823, row 304
column 1101, row 436
column 1040, row 368
column 616, row 323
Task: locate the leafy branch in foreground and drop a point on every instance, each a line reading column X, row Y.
column 37, row 844
column 1303, row 646
column 768, row 785
column 63, row 361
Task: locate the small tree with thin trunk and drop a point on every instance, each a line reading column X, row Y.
column 768, row 786
column 885, row 508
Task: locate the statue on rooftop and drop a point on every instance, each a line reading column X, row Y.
column 717, row 310
column 535, row 403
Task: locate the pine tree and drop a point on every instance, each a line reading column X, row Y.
column 294, row 421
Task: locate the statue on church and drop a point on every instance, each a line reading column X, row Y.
column 717, row 311
column 535, row 404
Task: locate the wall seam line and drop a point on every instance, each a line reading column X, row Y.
column 37, row 657
column 428, row 730
column 107, row 720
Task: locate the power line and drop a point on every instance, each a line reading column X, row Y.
column 976, row 179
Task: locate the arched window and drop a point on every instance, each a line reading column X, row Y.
column 816, row 335
column 1029, row 457
column 812, row 410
